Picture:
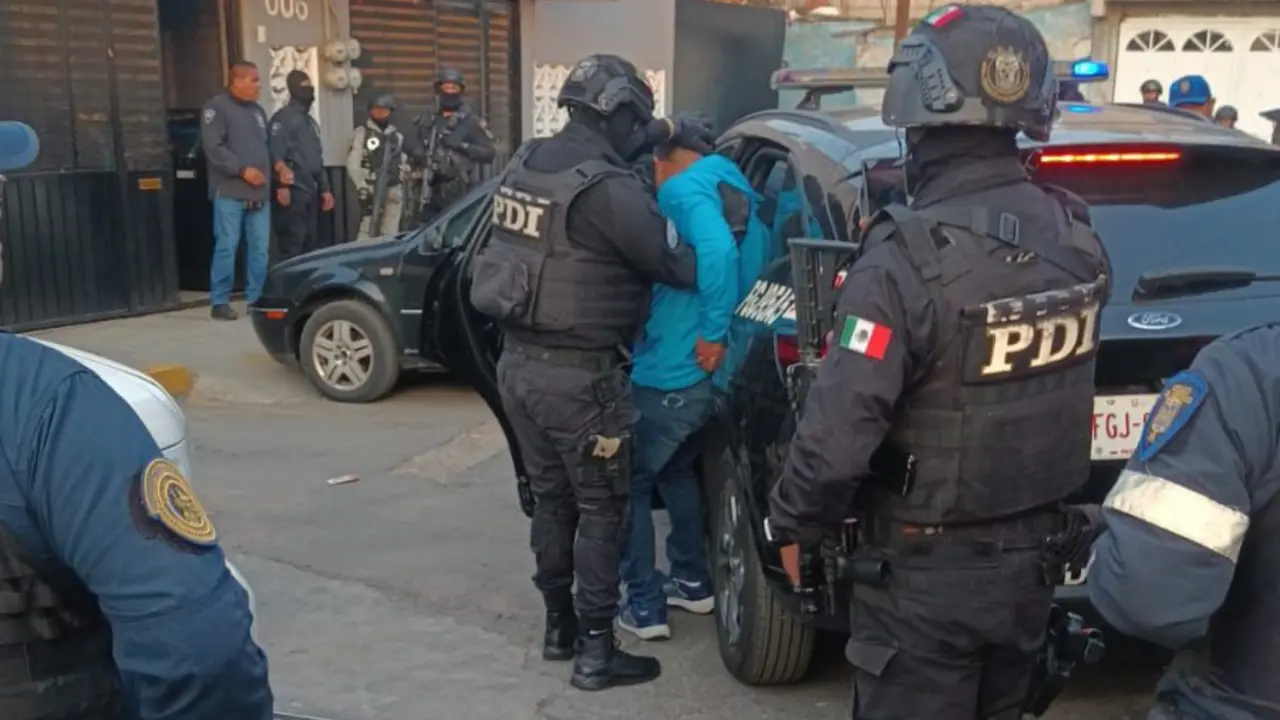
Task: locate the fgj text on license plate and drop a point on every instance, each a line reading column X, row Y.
column 1117, row 422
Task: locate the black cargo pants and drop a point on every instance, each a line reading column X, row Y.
column 296, row 224
column 954, row 632
column 572, row 416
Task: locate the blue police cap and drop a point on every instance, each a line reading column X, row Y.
column 1189, row 90
column 18, row 145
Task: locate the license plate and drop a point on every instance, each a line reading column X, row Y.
column 1117, row 422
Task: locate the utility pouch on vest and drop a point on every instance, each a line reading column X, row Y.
column 508, row 273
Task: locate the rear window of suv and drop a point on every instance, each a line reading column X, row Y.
column 1211, row 207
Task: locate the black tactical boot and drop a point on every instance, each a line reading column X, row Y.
column 558, row 640
column 600, row 664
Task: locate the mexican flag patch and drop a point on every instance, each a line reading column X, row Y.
column 865, row 337
column 943, row 16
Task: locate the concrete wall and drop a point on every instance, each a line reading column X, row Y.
column 561, row 32
column 281, row 32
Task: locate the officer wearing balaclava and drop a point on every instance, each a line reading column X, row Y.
column 454, row 144
column 960, row 379
column 295, row 140
column 577, row 241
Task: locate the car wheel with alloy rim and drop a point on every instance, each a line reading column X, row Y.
column 349, row 353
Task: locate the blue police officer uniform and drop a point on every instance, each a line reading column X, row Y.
column 712, row 207
column 1191, row 555
column 115, row 597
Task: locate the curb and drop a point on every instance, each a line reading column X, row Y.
column 177, row 380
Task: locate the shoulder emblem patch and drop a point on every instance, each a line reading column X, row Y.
column 169, row 500
column 209, row 115
column 1182, row 396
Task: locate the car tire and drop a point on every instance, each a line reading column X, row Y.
column 353, row 327
column 770, row 646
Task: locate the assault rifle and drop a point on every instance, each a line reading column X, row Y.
column 390, row 163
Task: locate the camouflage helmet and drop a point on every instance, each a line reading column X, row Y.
column 976, row 65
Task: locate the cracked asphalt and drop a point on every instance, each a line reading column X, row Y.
column 406, row 595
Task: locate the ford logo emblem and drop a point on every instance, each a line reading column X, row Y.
column 1155, row 320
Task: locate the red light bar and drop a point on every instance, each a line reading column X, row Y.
column 1108, row 157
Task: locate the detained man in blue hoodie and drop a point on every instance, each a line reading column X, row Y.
column 710, row 205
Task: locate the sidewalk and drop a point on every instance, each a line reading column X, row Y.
column 225, row 361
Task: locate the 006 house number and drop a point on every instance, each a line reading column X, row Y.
column 287, row 9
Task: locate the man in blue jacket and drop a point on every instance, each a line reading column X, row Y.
column 711, row 206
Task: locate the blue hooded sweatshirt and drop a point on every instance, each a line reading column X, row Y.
column 665, row 357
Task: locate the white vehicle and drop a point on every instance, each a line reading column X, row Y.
column 158, row 411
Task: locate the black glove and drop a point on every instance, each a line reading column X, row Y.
column 1084, row 525
column 453, row 142
column 686, row 131
column 526, row 496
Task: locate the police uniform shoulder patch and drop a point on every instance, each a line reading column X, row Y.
column 673, row 235
column 1182, row 396
column 168, row 499
column 1005, row 75
column 209, row 115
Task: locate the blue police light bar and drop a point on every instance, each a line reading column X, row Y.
column 829, row 80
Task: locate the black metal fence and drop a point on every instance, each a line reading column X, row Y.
column 88, row 230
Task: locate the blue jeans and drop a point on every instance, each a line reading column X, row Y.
column 231, row 222
column 664, row 460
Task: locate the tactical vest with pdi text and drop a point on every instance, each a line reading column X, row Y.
column 999, row 423
column 541, row 288
column 55, row 646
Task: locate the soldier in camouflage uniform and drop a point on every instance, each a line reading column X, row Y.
column 369, row 151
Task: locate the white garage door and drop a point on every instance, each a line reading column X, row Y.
column 1240, row 57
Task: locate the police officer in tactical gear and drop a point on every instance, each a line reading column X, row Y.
column 577, row 241
column 1151, row 91
column 453, row 142
column 295, row 140
column 1189, row 557
column 377, row 149
column 117, row 601
column 962, row 367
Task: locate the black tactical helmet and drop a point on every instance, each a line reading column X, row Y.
column 1226, row 112
column 604, row 84
column 1152, row 86
column 972, row 65
column 383, row 100
column 451, row 75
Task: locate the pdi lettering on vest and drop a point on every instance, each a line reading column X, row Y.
column 1052, row 339
column 519, row 212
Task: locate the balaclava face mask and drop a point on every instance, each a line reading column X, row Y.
column 627, row 132
column 450, row 101
column 304, row 94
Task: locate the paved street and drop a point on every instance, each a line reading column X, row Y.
column 405, row 595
